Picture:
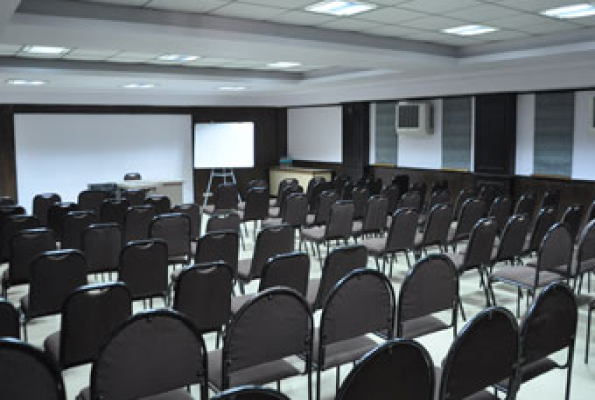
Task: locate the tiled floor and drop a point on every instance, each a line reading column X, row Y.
column 550, row 386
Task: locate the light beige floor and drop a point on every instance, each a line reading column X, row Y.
column 550, row 386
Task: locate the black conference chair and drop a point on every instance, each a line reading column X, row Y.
column 91, row 200
column 42, row 203
column 250, row 393
column 9, row 320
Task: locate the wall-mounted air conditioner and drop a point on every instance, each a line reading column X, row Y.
column 415, row 118
column 591, row 115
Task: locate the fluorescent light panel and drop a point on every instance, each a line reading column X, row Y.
column 232, row 88
column 177, row 57
column 26, row 82
column 470, row 30
column 284, row 64
column 340, row 8
column 572, row 11
column 49, row 50
column 136, row 85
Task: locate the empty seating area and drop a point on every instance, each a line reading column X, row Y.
column 340, row 290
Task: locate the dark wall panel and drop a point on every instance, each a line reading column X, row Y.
column 356, row 138
column 495, row 133
column 8, row 180
column 456, row 133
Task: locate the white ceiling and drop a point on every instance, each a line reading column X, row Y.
column 113, row 42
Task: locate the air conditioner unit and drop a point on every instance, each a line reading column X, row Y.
column 591, row 115
column 415, row 118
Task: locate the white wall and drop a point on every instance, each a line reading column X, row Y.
column 64, row 152
column 583, row 165
column 423, row 151
column 315, row 134
column 525, row 133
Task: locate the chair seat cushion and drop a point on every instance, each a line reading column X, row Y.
column 524, row 276
column 244, row 267
column 210, row 209
column 258, row 375
column 357, row 227
column 343, row 352
column 271, row 222
column 375, row 245
column 312, row 292
column 585, row 266
column 51, row 346
column 274, row 211
column 533, row 370
column 238, row 301
column 456, row 258
column 417, row 327
column 178, row 394
column 315, row 234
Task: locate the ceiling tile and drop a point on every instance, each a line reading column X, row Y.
column 437, row 7
column 518, row 21
column 302, row 18
column 393, row 31
column 548, row 27
column 504, row 35
column 350, row 25
column 587, row 21
column 187, row 5
column 534, row 5
column 90, row 55
column 130, row 3
column 242, row 10
column 131, row 56
column 433, row 23
column 390, row 15
column 9, row 49
column 289, row 4
column 482, row 13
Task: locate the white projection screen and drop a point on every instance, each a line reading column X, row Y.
column 63, row 153
column 224, row 145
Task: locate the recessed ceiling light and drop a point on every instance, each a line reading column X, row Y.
column 284, row 64
column 26, row 82
column 139, row 85
column 48, row 50
column 177, row 57
column 340, row 8
column 573, row 11
column 232, row 88
column 470, row 30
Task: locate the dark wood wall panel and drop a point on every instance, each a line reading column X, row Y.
column 8, row 176
column 356, row 138
column 495, row 133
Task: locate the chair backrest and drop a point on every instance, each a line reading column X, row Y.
column 137, row 221
column 113, row 210
column 151, row 353
column 294, row 210
column 555, row 250
column 431, row 286
column 572, row 218
column 398, row 369
column 102, row 244
column 586, row 249
column 274, row 324
column 192, row 210
column 325, row 202
column 472, row 211
column 271, row 241
column 174, row 229
column 359, row 196
column 161, row 203
column 283, row 183
column 12, row 225
column 340, row 222
column 257, row 183
column 346, row 311
column 410, row 200
column 437, row 225
column 54, row 275
column 551, row 198
column 375, row 215
column 375, row 186
column 135, row 197
column 421, row 188
column 218, row 246
column 42, row 203
column 143, row 268
column 500, row 210
column 589, row 215
column 226, row 196
column 526, row 205
column 393, row 194
column 250, row 393
column 7, row 211
column 203, row 293
column 91, row 200
column 257, row 204
column 513, row 237
column 313, row 190
column 90, row 315
column 282, row 195
column 25, row 246
column 6, row 201
column 488, row 193
column 132, row 176
column 545, row 220
column 10, row 325
column 290, row 270
column 75, row 223
column 402, row 231
column 28, row 373
column 223, row 221
column 464, row 195
column 441, row 196
column 481, row 243
column 484, row 353
column 338, row 264
column 550, row 325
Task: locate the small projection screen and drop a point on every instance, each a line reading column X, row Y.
column 224, row 145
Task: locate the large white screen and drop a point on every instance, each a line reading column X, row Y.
column 64, row 152
column 224, row 145
column 315, row 134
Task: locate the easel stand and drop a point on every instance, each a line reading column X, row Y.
column 227, row 175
